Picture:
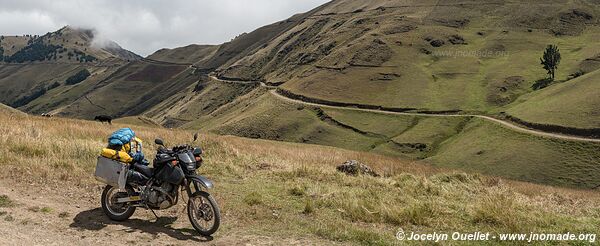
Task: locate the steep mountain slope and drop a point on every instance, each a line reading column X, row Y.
column 69, row 44
column 110, row 89
column 479, row 57
column 188, row 54
column 132, row 90
column 472, row 56
column 34, row 69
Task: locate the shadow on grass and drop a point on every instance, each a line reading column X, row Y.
column 95, row 220
column 542, row 83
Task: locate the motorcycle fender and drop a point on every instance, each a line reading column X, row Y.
column 207, row 184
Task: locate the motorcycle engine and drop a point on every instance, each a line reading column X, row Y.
column 161, row 197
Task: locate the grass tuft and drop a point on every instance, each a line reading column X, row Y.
column 309, row 207
column 298, row 191
column 253, row 198
column 5, row 201
column 63, row 215
column 9, row 218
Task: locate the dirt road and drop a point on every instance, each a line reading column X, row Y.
column 57, row 215
column 504, row 123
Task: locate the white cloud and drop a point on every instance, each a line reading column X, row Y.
column 146, row 26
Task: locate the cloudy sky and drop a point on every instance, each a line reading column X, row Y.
column 145, row 26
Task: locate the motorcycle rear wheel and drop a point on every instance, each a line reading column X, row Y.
column 117, row 212
column 202, row 209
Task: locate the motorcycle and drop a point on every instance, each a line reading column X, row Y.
column 157, row 188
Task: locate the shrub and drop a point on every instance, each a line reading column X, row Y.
column 78, row 77
column 542, row 83
column 579, row 73
column 54, row 85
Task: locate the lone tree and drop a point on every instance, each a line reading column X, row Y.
column 551, row 59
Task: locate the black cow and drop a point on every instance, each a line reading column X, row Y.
column 104, row 118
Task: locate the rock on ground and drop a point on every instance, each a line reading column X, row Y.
column 353, row 167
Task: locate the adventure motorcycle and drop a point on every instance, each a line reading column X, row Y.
column 157, row 188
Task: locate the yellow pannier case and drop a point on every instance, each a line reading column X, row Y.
column 121, row 156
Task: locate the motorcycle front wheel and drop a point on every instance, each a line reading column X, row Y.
column 204, row 213
column 112, row 209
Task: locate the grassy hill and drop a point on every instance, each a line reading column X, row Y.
column 457, row 142
column 187, row 54
column 34, row 69
column 463, row 56
column 8, row 110
column 428, row 55
column 282, row 191
column 424, row 54
column 572, row 103
column 69, row 44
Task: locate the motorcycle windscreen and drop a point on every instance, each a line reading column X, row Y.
column 186, row 158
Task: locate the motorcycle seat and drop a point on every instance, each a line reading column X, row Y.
column 143, row 169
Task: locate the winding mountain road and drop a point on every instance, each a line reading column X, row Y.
column 507, row 124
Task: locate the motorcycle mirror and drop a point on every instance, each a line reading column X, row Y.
column 159, row 142
column 195, row 137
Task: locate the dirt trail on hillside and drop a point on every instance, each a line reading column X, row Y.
column 61, row 216
column 484, row 117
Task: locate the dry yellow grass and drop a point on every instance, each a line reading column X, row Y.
column 285, row 189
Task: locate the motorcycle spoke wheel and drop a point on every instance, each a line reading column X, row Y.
column 114, row 207
column 204, row 213
column 117, row 211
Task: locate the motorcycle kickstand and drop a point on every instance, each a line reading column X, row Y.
column 154, row 215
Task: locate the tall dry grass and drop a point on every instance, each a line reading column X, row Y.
column 288, row 189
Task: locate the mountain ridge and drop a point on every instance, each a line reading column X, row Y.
column 424, row 56
column 68, row 44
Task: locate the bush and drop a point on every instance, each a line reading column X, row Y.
column 53, row 85
column 88, row 58
column 579, row 73
column 78, row 77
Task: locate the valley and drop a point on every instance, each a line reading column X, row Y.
column 449, row 84
column 461, row 116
